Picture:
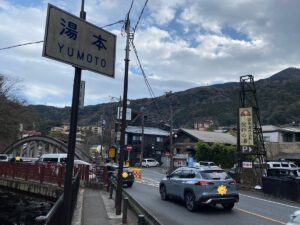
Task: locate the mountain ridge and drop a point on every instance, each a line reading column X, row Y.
column 278, row 98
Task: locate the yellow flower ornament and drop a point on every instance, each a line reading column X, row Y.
column 222, row 190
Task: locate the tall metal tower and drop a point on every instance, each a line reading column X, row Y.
column 250, row 143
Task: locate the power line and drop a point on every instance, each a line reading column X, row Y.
column 19, row 45
column 36, row 42
column 137, row 23
column 145, row 78
column 108, row 25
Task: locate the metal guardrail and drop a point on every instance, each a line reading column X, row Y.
column 283, row 187
column 144, row 217
column 56, row 213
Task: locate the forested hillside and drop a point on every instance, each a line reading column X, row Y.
column 278, row 97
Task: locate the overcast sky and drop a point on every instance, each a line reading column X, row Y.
column 181, row 44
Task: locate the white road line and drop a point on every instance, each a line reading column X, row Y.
column 278, row 203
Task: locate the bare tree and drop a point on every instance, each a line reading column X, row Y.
column 13, row 111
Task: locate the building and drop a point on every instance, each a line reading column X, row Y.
column 185, row 140
column 204, row 125
column 153, row 146
column 282, row 142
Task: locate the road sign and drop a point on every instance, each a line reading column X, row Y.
column 129, row 148
column 247, row 165
column 72, row 40
column 111, row 152
column 128, row 113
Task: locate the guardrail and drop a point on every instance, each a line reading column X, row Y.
column 51, row 173
column 144, row 217
column 284, row 187
column 56, row 214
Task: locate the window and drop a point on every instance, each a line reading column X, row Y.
column 176, row 174
column 159, row 139
column 297, row 137
column 136, row 138
column 288, row 137
column 187, row 174
column 267, row 138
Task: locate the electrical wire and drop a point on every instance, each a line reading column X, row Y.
column 108, row 25
column 36, row 42
column 19, row 45
column 137, row 23
column 146, row 80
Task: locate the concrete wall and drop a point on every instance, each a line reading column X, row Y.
column 275, row 149
column 45, row 190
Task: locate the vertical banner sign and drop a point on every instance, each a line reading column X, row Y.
column 72, row 40
column 246, row 126
column 81, row 94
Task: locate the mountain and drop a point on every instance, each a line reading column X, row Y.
column 278, row 97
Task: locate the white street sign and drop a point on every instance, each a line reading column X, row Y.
column 128, row 113
column 72, row 40
column 247, row 165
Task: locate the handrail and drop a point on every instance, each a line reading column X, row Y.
column 57, row 208
column 45, row 219
column 138, row 208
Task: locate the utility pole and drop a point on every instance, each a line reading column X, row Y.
column 72, row 140
column 142, row 142
column 169, row 95
column 123, row 126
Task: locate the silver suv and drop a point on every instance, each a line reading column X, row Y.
column 200, row 186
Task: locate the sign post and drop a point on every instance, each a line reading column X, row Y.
column 72, row 40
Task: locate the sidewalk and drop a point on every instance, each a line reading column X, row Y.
column 95, row 208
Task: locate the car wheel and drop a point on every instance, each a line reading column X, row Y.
column 163, row 193
column 129, row 184
column 147, row 165
column 190, row 203
column 228, row 206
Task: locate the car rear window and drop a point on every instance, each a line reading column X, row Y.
column 3, row 157
column 214, row 175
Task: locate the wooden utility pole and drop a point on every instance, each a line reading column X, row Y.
column 123, row 123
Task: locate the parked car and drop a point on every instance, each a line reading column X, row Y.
column 284, row 172
column 149, row 162
column 53, row 158
column 200, row 186
column 4, row 158
column 209, row 164
column 281, row 164
column 128, row 177
column 294, row 218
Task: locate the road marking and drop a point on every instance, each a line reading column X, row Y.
column 261, row 199
column 261, row 216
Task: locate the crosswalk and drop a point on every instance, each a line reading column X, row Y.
column 148, row 181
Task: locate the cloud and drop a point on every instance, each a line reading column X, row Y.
column 180, row 43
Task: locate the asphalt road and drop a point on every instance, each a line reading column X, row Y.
column 253, row 209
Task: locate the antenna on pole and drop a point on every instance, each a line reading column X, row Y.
column 250, row 142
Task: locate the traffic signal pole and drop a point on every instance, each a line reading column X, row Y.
column 123, row 123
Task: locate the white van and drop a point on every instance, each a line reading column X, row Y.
column 281, row 164
column 54, row 158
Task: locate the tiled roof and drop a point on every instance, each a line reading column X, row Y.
column 147, row 131
column 212, row 137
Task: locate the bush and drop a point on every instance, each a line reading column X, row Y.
column 221, row 154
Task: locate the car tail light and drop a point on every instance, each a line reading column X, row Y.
column 202, row 182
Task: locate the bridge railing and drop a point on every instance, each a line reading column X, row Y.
column 48, row 173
